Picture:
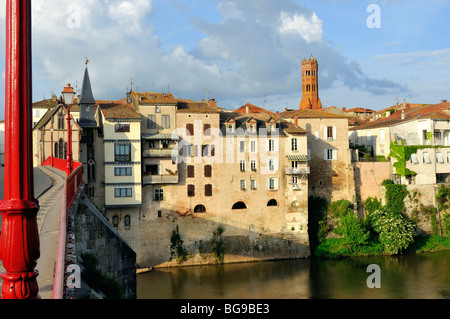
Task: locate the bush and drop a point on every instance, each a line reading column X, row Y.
column 340, row 208
column 353, row 230
column 395, row 232
column 371, row 204
column 446, row 225
column 176, row 243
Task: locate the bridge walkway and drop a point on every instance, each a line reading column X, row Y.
column 49, row 191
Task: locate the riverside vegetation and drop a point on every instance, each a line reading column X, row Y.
column 336, row 231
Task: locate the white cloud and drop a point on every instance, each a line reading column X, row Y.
column 309, row 29
column 254, row 51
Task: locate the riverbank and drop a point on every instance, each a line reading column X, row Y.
column 336, row 248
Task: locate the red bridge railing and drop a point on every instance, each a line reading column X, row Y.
column 72, row 188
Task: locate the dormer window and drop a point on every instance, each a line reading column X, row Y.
column 230, row 128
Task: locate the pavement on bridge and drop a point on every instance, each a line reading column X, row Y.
column 48, row 188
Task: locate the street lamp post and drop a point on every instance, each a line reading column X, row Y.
column 19, row 242
column 68, row 95
column 51, row 143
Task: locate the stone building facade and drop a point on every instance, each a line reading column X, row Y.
column 329, row 155
column 237, row 179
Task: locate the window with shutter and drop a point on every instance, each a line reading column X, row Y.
column 207, row 129
column 190, row 129
column 208, row 190
column 191, row 190
column 190, row 171
column 208, row 171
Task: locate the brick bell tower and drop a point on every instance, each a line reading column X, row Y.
column 310, row 85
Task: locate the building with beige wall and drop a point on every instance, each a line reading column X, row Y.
column 328, row 153
column 249, row 180
column 412, row 126
column 122, row 155
column 50, row 135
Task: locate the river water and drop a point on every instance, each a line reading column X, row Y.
column 424, row 276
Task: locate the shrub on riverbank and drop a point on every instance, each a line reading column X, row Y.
column 382, row 232
column 429, row 243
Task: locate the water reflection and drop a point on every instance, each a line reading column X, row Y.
column 407, row 277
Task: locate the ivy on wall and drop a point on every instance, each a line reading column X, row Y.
column 395, row 195
column 402, row 153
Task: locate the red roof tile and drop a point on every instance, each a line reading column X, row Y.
column 252, row 109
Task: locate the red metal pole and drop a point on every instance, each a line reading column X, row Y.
column 19, row 243
column 51, row 143
column 69, row 143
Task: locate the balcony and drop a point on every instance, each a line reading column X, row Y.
column 157, row 152
column 297, row 171
column 160, row 179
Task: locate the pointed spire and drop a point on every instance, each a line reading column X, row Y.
column 86, row 91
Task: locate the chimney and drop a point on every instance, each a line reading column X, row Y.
column 212, row 102
column 247, row 110
column 374, row 116
column 296, row 121
column 403, row 115
column 277, row 114
column 388, row 113
column 443, row 101
column 344, row 109
column 285, row 109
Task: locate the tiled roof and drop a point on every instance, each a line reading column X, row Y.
column 291, row 128
column 47, row 116
column 311, row 114
column 154, row 98
column 436, row 111
column 191, row 106
column 385, row 122
column 48, row 103
column 360, row 110
column 252, row 109
column 115, row 110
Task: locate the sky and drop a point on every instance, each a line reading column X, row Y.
column 371, row 53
